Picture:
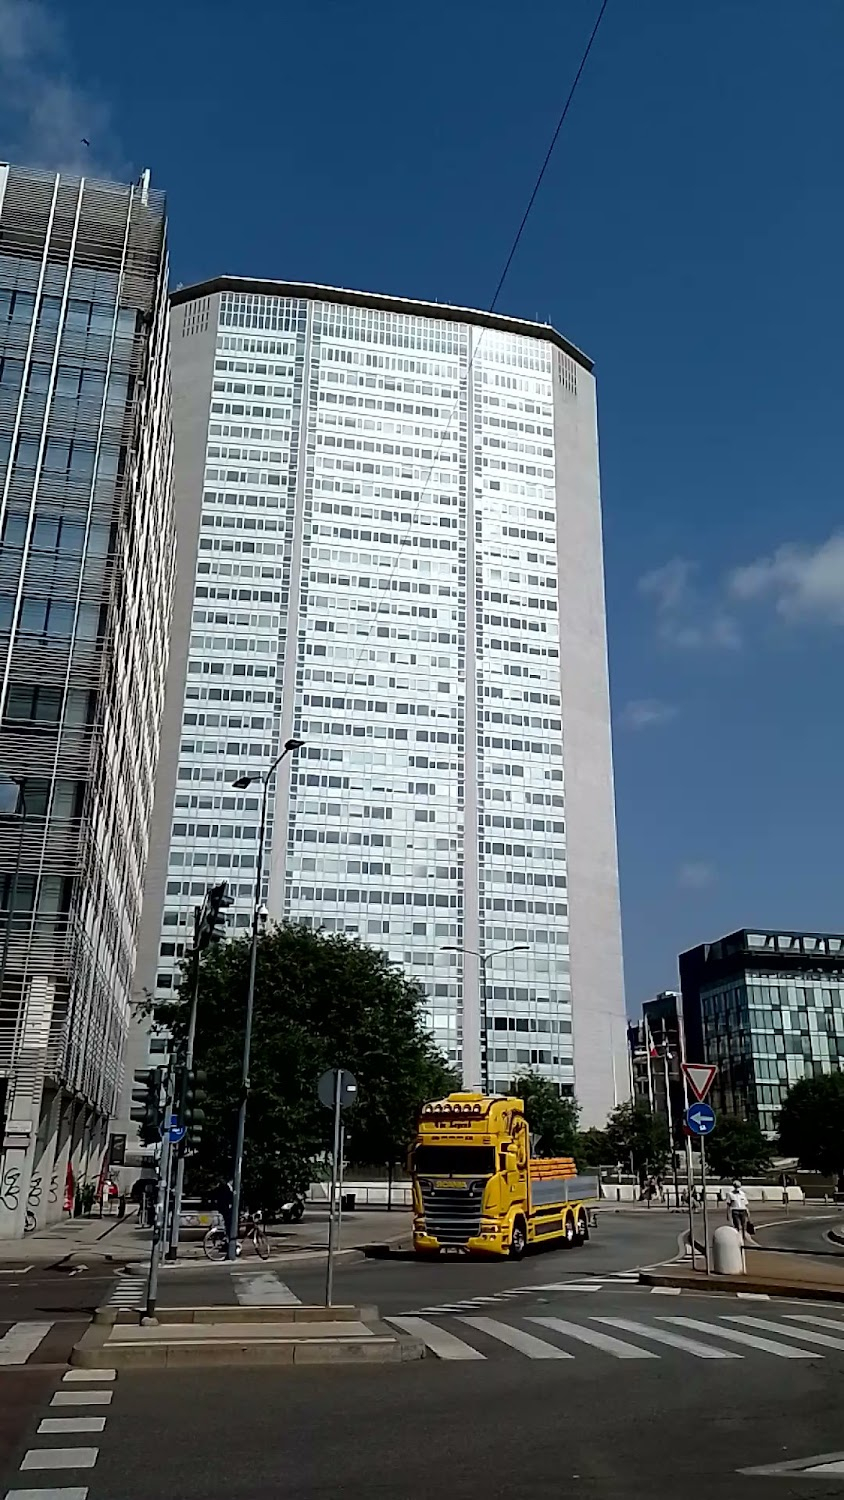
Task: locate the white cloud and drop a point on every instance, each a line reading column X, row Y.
column 684, row 620
column 646, row 713
column 696, row 875
column 43, row 115
column 804, row 582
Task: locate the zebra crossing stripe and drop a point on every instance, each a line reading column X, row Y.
column 262, row 1289
column 518, row 1338
column 21, row 1341
column 598, row 1340
column 807, row 1335
column 676, row 1340
column 815, row 1321
column 444, row 1344
column 769, row 1346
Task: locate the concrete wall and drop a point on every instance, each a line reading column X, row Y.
column 600, row 1037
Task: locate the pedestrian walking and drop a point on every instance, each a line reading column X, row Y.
column 737, row 1209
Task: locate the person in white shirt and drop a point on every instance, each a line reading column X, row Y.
column 737, row 1208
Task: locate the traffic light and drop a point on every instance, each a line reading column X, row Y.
column 147, row 1110
column 193, row 1096
column 211, row 923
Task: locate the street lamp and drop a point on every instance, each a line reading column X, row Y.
column 290, row 747
column 483, row 960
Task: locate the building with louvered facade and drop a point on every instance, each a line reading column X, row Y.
column 87, row 566
column 391, row 549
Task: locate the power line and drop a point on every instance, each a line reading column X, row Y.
column 491, row 309
column 549, row 153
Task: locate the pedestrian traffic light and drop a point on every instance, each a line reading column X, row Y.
column 211, row 922
column 147, row 1110
column 194, row 1094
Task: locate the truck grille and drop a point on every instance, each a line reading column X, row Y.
column 452, row 1215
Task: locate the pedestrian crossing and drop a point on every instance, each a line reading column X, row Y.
column 477, row 1336
column 20, row 1341
column 583, row 1285
column 129, row 1291
column 262, row 1289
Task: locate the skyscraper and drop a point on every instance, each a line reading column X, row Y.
column 86, row 577
column 391, row 549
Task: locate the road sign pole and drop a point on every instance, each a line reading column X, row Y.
column 173, row 1249
column 159, row 1227
column 705, row 1210
column 329, row 1270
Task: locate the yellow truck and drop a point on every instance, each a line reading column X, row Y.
column 477, row 1188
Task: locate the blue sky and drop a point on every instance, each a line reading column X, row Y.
column 689, row 236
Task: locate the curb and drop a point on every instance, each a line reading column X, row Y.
column 284, row 1258
column 100, row 1349
column 800, row 1290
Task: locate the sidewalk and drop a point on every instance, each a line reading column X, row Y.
column 113, row 1239
column 771, row 1273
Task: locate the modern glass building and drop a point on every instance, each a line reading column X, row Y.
column 768, row 1009
column 87, row 555
column 390, row 547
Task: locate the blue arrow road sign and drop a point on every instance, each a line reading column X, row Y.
column 700, row 1119
column 177, row 1133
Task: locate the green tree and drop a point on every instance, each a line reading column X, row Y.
column 635, row 1133
column 736, row 1148
column 552, row 1119
column 321, row 1001
column 592, row 1149
column 811, row 1125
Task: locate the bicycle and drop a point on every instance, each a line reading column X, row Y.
column 216, row 1241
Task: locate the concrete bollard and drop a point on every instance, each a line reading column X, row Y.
column 727, row 1252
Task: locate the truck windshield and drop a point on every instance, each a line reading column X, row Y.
column 455, row 1161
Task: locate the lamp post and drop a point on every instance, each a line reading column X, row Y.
column 483, row 960
column 241, row 784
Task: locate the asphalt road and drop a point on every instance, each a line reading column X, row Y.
column 804, row 1231
column 43, row 1313
column 666, row 1423
column 556, row 1374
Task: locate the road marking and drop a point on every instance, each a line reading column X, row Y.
column 821, row 1322
column 666, row 1291
column 60, row 1458
column 56, row 1425
column 262, row 1289
column 569, row 1286
column 22, row 1340
column 71, row 1377
column 820, row 1463
column 517, row 1338
column 769, row 1346
column 676, row 1340
column 74, row 1492
column 82, row 1398
column 768, row 1326
column 445, row 1345
column 15, row 1271
column 604, row 1341
column 129, row 1292
column 753, row 1296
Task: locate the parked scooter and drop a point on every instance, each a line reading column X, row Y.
column 292, row 1211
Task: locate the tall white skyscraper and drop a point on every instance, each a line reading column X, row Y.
column 87, row 558
column 390, row 547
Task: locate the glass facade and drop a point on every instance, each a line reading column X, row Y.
column 377, row 573
column 87, row 555
column 771, row 1018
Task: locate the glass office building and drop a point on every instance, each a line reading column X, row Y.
column 767, row 1008
column 87, row 556
column 390, row 547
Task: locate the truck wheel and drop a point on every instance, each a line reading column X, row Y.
column 518, row 1240
column 570, row 1232
column 582, row 1231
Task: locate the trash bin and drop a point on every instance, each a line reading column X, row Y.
column 347, row 1203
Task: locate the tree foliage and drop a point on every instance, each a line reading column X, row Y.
column 321, row 1001
column 635, row 1133
column 811, row 1124
column 592, row 1149
column 552, row 1119
column 737, row 1148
